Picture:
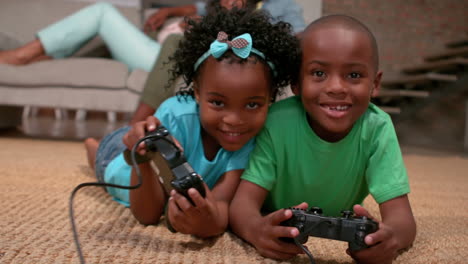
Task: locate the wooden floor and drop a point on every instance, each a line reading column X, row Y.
column 47, row 127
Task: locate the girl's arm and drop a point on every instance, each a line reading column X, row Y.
column 209, row 216
column 147, row 202
column 397, row 232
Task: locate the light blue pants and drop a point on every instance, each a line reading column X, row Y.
column 124, row 40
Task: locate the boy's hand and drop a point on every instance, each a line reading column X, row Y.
column 269, row 231
column 139, row 130
column 383, row 244
column 197, row 219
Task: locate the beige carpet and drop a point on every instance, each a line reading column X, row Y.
column 37, row 177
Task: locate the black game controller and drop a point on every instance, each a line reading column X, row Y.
column 346, row 228
column 183, row 175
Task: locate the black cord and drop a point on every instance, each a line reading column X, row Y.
column 311, row 257
column 140, row 180
column 308, row 253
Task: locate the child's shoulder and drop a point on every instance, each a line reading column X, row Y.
column 179, row 105
column 376, row 115
column 286, row 112
column 286, row 107
column 375, row 121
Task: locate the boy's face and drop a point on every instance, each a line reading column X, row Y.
column 233, row 100
column 337, row 79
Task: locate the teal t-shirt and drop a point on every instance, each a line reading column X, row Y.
column 181, row 118
column 295, row 165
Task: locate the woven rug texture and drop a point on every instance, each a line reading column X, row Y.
column 37, row 177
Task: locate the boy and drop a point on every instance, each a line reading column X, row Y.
column 327, row 147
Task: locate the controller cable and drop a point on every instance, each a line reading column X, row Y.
column 308, row 253
column 102, row 184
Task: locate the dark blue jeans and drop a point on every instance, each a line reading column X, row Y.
column 109, row 148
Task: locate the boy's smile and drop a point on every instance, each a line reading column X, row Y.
column 337, row 79
column 233, row 99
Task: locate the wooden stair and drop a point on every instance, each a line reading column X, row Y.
column 416, row 84
column 423, row 78
column 457, row 43
column 396, row 92
column 450, row 53
column 448, row 65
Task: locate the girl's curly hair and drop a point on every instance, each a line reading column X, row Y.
column 275, row 41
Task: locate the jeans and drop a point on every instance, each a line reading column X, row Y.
column 109, row 148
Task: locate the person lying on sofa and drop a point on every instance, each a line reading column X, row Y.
column 125, row 41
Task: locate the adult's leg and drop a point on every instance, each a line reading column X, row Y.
column 125, row 41
column 156, row 88
column 30, row 52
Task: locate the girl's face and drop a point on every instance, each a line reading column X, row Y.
column 233, row 100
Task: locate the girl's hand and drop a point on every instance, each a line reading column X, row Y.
column 139, row 130
column 268, row 232
column 383, row 243
column 199, row 218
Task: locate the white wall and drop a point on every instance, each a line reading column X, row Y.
column 312, row 9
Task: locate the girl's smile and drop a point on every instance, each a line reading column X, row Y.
column 232, row 109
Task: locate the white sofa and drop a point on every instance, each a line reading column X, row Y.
column 77, row 83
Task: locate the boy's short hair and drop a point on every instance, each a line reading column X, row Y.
column 351, row 24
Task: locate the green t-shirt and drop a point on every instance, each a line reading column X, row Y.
column 295, row 165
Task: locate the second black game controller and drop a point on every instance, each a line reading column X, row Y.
column 184, row 176
column 347, row 228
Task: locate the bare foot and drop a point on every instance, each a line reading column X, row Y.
column 11, row 57
column 91, row 146
column 31, row 52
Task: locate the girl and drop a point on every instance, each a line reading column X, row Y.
column 233, row 64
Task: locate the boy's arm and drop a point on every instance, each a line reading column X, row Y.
column 263, row 232
column 210, row 215
column 396, row 232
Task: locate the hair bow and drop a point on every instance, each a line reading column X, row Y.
column 241, row 45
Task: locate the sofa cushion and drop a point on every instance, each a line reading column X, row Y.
column 73, row 73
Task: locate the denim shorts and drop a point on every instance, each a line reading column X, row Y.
column 109, row 148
